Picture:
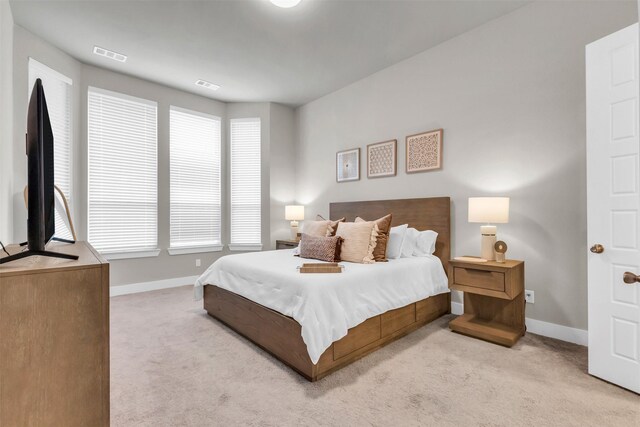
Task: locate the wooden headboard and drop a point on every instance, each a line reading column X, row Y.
column 422, row 214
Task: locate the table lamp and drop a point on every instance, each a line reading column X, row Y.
column 294, row 213
column 488, row 210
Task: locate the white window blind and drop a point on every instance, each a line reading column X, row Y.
column 246, row 232
column 195, row 218
column 123, row 190
column 57, row 90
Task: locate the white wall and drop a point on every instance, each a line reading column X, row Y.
column 510, row 96
column 6, row 123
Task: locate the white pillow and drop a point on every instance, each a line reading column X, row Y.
column 396, row 237
column 425, row 243
column 409, row 244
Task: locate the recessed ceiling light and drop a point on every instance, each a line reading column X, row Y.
column 109, row 54
column 206, row 84
column 285, row 3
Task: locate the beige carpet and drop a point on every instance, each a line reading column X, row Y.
column 172, row 365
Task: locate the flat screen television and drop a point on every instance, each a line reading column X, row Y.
column 40, row 181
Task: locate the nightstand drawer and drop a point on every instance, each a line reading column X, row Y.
column 493, row 280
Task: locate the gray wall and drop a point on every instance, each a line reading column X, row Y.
column 164, row 266
column 510, row 96
column 282, row 170
column 6, row 123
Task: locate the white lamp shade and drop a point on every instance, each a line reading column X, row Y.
column 294, row 213
column 489, row 210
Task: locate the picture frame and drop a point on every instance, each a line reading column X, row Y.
column 348, row 165
column 424, row 151
column 382, row 159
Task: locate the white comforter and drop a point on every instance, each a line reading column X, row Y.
column 325, row 305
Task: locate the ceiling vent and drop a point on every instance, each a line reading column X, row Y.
column 109, row 54
column 206, row 84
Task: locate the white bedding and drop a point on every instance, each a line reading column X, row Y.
column 325, row 305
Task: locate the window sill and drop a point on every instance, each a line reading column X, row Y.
column 132, row 254
column 245, row 248
column 194, row 250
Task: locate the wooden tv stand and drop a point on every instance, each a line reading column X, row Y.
column 54, row 339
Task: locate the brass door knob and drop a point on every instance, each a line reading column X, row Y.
column 630, row 278
column 597, row 248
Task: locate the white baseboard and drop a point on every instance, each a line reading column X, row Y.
column 134, row 288
column 560, row 332
column 551, row 330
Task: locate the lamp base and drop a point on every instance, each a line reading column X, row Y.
column 294, row 230
column 487, row 250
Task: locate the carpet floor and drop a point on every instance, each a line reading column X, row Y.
column 173, row 365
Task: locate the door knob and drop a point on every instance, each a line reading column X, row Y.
column 597, row 248
column 630, row 278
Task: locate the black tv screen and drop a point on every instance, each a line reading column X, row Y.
column 40, row 181
column 41, row 202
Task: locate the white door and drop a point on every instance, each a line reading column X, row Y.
column 613, row 207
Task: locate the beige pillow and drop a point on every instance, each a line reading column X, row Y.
column 321, row 227
column 359, row 241
column 317, row 228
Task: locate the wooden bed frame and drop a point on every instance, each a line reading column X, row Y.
column 281, row 335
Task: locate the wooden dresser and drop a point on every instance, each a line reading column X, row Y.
column 54, row 339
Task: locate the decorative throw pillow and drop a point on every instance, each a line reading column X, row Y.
column 396, row 238
column 384, row 225
column 333, row 225
column 425, row 243
column 317, row 228
column 321, row 248
column 359, row 241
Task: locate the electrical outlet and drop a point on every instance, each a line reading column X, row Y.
column 198, row 262
column 529, row 296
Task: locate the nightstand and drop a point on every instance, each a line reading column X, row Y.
column 493, row 300
column 286, row 244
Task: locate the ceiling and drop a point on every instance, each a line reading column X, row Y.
column 254, row 50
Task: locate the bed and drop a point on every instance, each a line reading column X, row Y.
column 318, row 323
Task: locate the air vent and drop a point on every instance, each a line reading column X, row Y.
column 206, row 84
column 109, row 54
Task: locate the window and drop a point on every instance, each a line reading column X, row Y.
column 246, row 231
column 57, row 90
column 195, row 217
column 123, row 172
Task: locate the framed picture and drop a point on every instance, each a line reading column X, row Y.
column 348, row 165
column 424, row 151
column 381, row 159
